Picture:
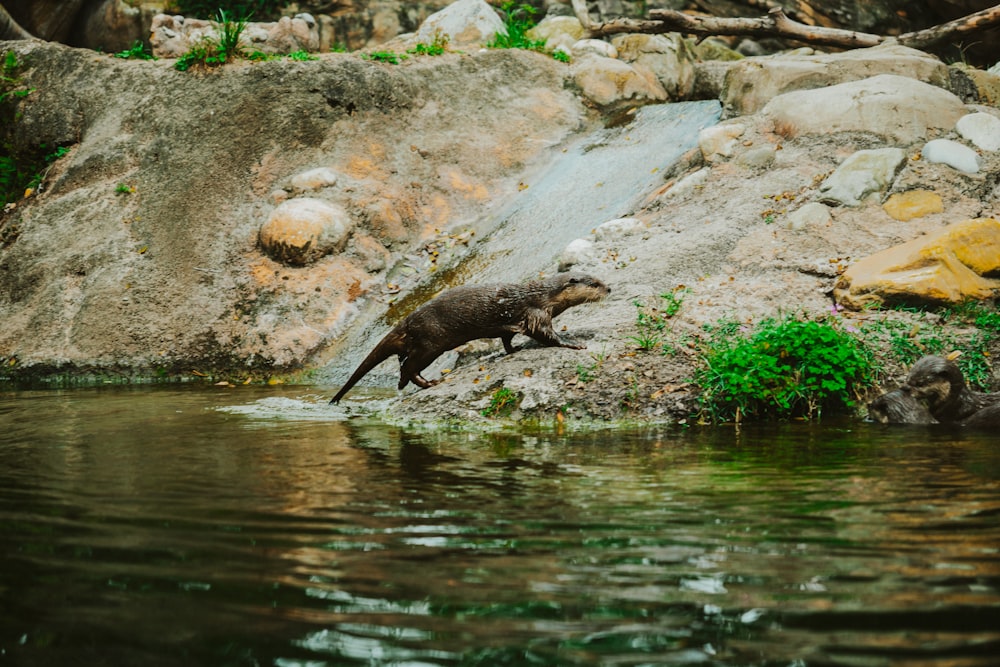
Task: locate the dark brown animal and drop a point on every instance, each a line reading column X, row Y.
column 469, row 312
column 939, row 383
column 988, row 417
column 899, row 407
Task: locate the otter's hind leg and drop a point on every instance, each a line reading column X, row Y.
column 413, row 365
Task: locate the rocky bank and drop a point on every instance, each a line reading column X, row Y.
column 269, row 220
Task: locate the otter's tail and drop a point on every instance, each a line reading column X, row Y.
column 392, row 344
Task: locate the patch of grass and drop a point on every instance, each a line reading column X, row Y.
column 437, row 47
column 225, row 47
column 136, row 52
column 651, row 321
column 782, row 368
column 518, row 19
column 502, row 403
column 390, row 57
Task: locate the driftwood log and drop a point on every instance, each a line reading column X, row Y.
column 778, row 24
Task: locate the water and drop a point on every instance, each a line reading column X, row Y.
column 253, row 526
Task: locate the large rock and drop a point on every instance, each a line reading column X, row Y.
column 465, row 23
column 558, row 32
column 668, row 57
column 302, row 230
column 610, row 83
column 898, row 108
column 752, row 83
column 960, row 263
column 862, row 174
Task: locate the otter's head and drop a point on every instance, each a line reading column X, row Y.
column 935, row 380
column 899, row 407
column 571, row 289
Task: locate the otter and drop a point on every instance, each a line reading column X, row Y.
column 940, row 384
column 988, row 417
column 898, row 407
column 470, row 312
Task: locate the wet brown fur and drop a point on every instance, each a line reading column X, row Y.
column 898, row 407
column 470, row 312
column 939, row 383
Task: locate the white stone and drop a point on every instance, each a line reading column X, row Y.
column 719, row 141
column 597, row 47
column 982, row 129
column 557, row 31
column 812, row 214
column 578, row 251
column 689, row 183
column 314, row 179
column 862, row 174
column 464, row 22
column 618, row 227
column 955, row 155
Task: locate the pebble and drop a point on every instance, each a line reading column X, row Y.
column 955, row 155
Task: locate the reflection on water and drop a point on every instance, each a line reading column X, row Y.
column 253, row 526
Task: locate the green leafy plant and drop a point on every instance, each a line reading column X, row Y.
column 390, row 57
column 783, row 368
column 518, row 19
column 225, row 47
column 135, row 52
column 561, row 56
column 124, row 189
column 11, row 85
column 302, row 56
column 438, row 46
column 651, row 321
column 502, row 403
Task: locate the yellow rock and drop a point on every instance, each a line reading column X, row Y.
column 959, row 263
column 913, row 204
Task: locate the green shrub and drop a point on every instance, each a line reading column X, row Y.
column 502, row 403
column 518, row 19
column 782, row 369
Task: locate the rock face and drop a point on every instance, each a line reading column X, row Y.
column 862, row 174
column 960, row 263
column 174, row 274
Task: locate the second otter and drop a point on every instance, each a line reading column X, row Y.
column 469, row 312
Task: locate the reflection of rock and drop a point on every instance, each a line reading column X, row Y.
column 940, row 384
column 898, row 407
column 960, row 263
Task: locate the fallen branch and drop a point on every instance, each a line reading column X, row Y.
column 778, row 24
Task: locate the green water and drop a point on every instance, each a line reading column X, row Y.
column 256, row 526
